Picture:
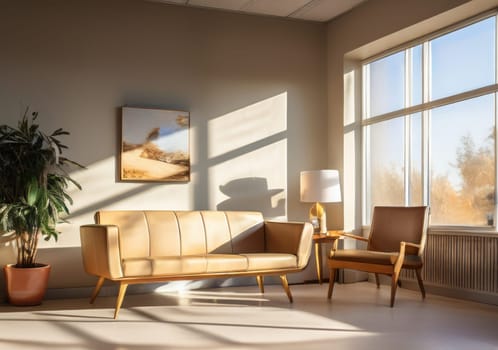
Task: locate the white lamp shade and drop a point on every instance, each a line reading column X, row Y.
column 320, row 186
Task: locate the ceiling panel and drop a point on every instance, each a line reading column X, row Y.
column 182, row 2
column 233, row 5
column 309, row 10
column 325, row 10
column 274, row 8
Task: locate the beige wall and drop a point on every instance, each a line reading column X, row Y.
column 255, row 88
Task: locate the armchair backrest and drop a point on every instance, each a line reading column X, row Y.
column 392, row 225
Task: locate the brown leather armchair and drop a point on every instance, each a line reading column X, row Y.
column 397, row 240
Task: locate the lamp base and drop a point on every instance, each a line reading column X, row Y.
column 318, row 218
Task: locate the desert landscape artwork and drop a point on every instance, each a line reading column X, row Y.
column 155, row 145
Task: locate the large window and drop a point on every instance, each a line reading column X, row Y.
column 429, row 126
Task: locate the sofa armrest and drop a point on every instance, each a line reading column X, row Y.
column 100, row 250
column 290, row 238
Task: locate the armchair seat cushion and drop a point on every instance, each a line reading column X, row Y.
column 270, row 261
column 365, row 256
column 413, row 262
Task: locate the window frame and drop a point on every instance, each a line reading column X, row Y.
column 424, row 108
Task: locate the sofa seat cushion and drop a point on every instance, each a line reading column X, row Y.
column 226, row 263
column 270, row 261
column 168, row 266
column 184, row 265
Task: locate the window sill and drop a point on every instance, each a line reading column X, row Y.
column 453, row 230
column 463, row 230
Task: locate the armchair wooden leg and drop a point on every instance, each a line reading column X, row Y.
column 394, row 286
column 420, row 282
column 261, row 283
column 377, row 281
column 396, row 271
column 119, row 301
column 331, row 283
column 96, row 291
column 285, row 284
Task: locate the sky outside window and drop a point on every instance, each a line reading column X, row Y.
column 387, row 81
column 463, row 60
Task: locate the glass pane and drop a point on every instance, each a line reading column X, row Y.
column 463, row 60
column 385, row 180
column 387, row 84
column 416, row 76
column 416, row 160
column 462, row 162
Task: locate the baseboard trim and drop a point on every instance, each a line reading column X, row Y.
column 457, row 293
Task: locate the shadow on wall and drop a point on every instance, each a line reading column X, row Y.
column 252, row 194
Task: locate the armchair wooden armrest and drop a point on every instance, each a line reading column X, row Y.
column 360, row 238
column 414, row 245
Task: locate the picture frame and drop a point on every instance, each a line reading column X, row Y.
column 154, row 145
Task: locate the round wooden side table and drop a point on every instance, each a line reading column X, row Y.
column 318, row 239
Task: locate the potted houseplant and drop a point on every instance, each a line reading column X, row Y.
column 33, row 198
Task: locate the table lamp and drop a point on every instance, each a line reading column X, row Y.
column 320, row 186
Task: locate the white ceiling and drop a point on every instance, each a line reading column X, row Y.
column 310, row 10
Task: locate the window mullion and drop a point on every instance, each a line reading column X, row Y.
column 425, row 125
column 407, row 143
column 366, row 149
column 495, row 213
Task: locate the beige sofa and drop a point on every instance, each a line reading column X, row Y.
column 132, row 247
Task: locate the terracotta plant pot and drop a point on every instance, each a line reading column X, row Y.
column 26, row 285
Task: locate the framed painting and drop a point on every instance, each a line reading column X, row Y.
column 154, row 145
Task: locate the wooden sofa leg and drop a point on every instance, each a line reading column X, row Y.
column 261, row 283
column 285, row 284
column 96, row 291
column 377, row 281
column 121, row 294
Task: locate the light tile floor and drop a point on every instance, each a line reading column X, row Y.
column 240, row 318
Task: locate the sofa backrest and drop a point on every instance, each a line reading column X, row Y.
column 176, row 233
